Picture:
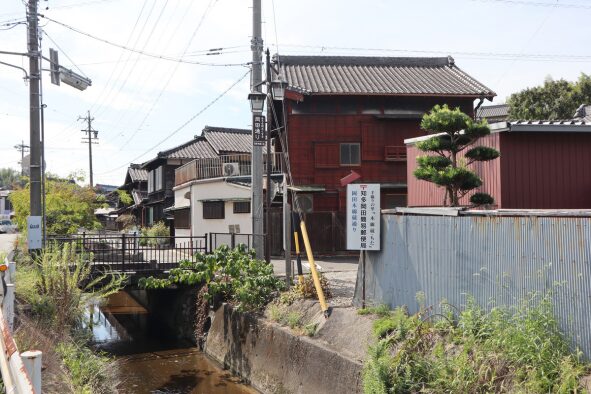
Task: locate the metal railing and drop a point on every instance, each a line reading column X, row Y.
column 231, row 240
column 224, row 166
column 133, row 252
column 21, row 373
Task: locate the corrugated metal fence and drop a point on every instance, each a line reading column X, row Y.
column 498, row 260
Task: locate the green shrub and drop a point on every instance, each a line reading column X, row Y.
column 234, row 275
column 88, row 370
column 501, row 350
column 149, row 235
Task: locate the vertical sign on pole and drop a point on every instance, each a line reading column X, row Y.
column 259, row 134
column 34, row 232
column 363, row 216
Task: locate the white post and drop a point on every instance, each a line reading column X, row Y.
column 11, row 272
column 32, row 361
column 8, row 306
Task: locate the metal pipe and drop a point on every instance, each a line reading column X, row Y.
column 315, row 276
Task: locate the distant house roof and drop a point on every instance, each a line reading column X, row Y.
column 197, row 148
column 493, row 113
column 137, row 173
column 396, row 76
column 226, row 140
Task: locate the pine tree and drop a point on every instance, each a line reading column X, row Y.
column 453, row 131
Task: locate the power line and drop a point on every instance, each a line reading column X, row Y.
column 171, row 75
column 156, row 56
column 183, row 125
column 501, row 55
column 64, row 52
column 538, row 4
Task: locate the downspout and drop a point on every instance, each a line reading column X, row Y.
column 478, row 106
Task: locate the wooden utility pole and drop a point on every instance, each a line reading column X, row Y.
column 22, row 148
column 92, row 139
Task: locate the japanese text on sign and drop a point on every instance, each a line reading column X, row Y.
column 363, row 217
column 259, row 134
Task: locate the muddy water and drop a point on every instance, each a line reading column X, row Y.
column 149, row 358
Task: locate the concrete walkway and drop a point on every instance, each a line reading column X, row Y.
column 7, row 243
column 341, row 273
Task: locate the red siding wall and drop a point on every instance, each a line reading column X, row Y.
column 546, row 170
column 426, row 194
column 540, row 170
column 315, row 138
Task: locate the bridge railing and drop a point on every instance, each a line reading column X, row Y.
column 133, row 252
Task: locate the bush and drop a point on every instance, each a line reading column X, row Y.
column 154, row 235
column 234, row 275
column 308, row 290
column 503, row 350
column 59, row 285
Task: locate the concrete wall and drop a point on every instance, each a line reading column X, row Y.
column 496, row 259
column 274, row 360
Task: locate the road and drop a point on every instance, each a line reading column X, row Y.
column 7, row 242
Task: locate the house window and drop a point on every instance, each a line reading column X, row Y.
column 155, row 179
column 242, row 207
column 350, row 155
column 213, row 209
column 150, row 216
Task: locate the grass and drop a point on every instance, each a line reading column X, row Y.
column 505, row 350
column 88, row 370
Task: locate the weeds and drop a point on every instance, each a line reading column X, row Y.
column 503, row 350
column 307, row 289
column 89, row 371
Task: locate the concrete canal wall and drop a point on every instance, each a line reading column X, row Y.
column 275, row 360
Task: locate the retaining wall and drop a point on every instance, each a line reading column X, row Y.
column 274, row 360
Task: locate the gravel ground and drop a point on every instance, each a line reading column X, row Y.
column 342, row 287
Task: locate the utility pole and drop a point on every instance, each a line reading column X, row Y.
column 34, row 221
column 91, row 140
column 22, row 148
column 256, row 45
column 269, row 158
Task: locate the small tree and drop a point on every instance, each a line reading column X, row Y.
column 453, row 132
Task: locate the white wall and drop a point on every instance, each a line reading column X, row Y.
column 219, row 190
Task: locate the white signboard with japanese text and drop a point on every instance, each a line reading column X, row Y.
column 363, row 216
column 34, row 232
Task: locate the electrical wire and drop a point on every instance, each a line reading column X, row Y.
column 182, row 126
column 156, row 56
column 64, row 52
column 171, row 75
column 537, row 4
column 500, row 55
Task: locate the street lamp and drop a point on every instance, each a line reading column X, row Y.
column 278, row 87
column 257, row 102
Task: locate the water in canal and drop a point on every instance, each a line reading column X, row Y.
column 150, row 359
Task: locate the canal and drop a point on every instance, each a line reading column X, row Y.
column 149, row 358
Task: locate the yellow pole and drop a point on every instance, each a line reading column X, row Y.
column 319, row 291
column 298, row 258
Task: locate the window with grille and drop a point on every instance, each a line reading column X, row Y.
column 213, row 210
column 242, row 207
column 350, row 155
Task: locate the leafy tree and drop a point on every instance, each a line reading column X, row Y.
column 9, row 178
column 69, row 207
column 553, row 100
column 124, row 197
column 453, row 132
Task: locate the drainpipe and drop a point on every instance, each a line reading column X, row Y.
column 478, row 106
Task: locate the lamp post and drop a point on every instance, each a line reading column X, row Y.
column 275, row 90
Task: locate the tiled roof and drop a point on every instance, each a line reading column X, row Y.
column 493, row 112
column 138, row 196
column 197, row 148
column 400, row 76
column 564, row 122
column 137, row 174
column 226, row 140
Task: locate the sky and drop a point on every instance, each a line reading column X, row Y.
column 158, row 79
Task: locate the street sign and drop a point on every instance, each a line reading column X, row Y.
column 54, row 67
column 259, row 132
column 363, row 216
column 34, row 232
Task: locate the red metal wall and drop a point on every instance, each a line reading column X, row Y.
column 540, row 170
column 314, row 140
column 546, row 170
column 426, row 194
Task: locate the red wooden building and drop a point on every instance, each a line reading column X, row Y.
column 543, row 165
column 346, row 114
